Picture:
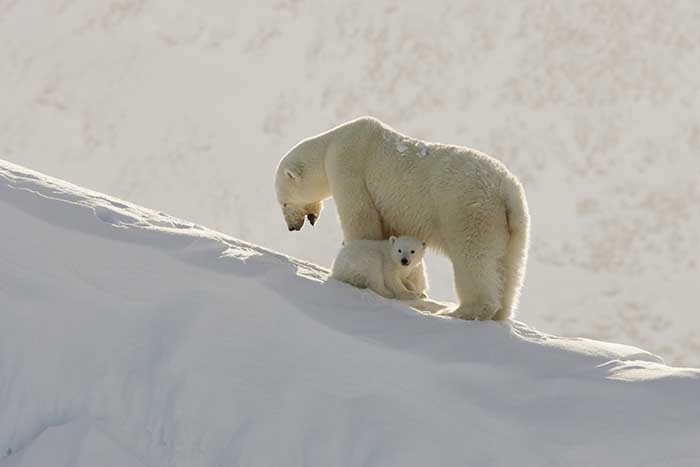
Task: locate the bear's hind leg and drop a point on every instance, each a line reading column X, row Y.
column 477, row 285
column 376, row 283
column 476, row 247
column 475, row 241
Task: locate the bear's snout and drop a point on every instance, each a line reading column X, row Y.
column 404, row 261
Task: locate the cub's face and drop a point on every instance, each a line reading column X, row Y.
column 406, row 251
column 288, row 185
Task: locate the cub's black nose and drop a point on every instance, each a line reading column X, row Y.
column 404, row 261
column 312, row 218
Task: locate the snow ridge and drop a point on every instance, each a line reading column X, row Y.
column 130, row 337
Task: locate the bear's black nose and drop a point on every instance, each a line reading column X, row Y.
column 404, row 261
column 312, row 218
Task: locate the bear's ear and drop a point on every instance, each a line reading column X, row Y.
column 292, row 174
column 392, row 239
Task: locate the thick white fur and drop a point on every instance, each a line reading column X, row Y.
column 376, row 265
column 462, row 202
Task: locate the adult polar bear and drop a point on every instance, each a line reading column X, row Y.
column 461, row 202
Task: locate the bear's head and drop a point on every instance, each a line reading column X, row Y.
column 406, row 251
column 297, row 195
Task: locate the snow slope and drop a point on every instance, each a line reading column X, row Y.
column 133, row 338
column 188, row 106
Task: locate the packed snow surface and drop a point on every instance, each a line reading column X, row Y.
column 131, row 338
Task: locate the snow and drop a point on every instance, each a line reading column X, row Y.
column 130, row 337
column 396, row 142
column 75, row 443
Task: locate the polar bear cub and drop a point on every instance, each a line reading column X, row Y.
column 392, row 268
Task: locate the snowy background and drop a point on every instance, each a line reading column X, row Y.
column 186, row 107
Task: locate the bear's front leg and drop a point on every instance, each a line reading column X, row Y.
column 411, row 287
column 358, row 217
column 393, row 283
column 417, row 280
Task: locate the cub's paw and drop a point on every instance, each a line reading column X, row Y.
column 408, row 295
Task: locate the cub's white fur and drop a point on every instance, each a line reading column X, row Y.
column 461, row 202
column 392, row 268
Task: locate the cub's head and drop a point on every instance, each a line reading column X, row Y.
column 406, row 251
column 295, row 194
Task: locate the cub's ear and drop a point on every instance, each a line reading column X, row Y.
column 292, row 174
column 392, row 239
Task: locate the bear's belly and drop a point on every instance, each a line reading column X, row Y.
column 406, row 212
column 397, row 222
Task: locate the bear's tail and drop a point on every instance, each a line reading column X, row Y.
column 515, row 259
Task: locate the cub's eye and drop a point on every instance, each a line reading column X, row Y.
column 284, row 205
column 413, row 252
column 399, row 251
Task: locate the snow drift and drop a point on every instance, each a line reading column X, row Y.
column 128, row 337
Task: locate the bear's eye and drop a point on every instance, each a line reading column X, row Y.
column 284, row 205
column 399, row 250
column 413, row 252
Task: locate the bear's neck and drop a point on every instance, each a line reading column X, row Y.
column 345, row 141
column 315, row 178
